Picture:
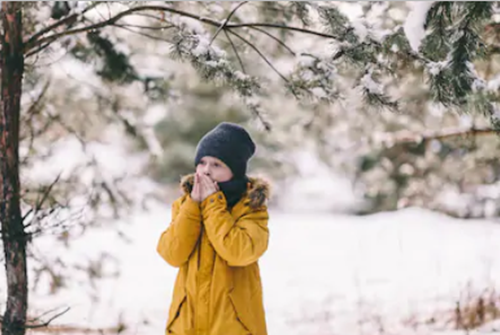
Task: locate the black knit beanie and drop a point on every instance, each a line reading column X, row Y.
column 231, row 144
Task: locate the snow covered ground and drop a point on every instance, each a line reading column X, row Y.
column 323, row 273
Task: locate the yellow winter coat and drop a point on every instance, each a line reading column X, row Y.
column 218, row 288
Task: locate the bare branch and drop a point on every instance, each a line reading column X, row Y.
column 45, row 196
column 276, row 39
column 156, row 38
column 235, row 51
column 64, row 223
column 117, row 17
column 40, row 217
column 36, row 104
column 128, row 25
column 33, row 109
column 68, row 128
column 113, row 20
column 47, row 323
column 223, row 25
column 42, row 315
column 281, row 26
column 57, row 24
column 38, row 49
column 260, row 54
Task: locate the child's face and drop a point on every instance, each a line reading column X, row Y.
column 215, row 169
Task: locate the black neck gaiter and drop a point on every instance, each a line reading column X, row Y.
column 233, row 190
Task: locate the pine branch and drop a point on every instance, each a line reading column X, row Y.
column 116, row 18
column 38, row 40
column 301, row 10
column 456, row 45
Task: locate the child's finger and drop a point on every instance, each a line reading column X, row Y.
column 203, row 178
column 199, row 181
column 207, row 183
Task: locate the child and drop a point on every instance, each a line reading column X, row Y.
column 217, row 234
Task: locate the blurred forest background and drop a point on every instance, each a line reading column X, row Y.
column 357, row 107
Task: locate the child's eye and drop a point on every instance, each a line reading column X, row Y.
column 216, row 164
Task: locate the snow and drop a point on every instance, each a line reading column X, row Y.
column 317, row 188
column 305, row 60
column 319, row 92
column 465, row 121
column 414, row 24
column 496, row 114
column 435, row 68
column 478, row 84
column 79, row 6
column 68, row 155
column 241, row 76
column 322, row 273
column 153, row 143
column 189, row 24
column 43, row 14
column 494, row 84
column 202, row 46
column 360, row 29
column 154, row 114
column 368, row 83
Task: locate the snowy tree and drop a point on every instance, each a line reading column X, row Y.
column 438, row 150
column 428, row 71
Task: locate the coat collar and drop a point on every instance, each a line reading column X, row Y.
column 258, row 191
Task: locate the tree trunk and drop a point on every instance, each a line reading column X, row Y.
column 13, row 234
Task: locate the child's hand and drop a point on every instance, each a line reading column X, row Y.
column 196, row 192
column 208, row 186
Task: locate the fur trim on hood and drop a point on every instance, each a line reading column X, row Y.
column 258, row 190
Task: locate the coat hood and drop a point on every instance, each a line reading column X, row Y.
column 258, row 190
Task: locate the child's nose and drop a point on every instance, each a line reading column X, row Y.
column 206, row 170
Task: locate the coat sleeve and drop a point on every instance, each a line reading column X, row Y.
column 179, row 239
column 240, row 242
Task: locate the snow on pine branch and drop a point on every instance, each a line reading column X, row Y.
column 211, row 62
column 358, row 44
column 370, row 85
column 314, row 77
column 414, row 24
